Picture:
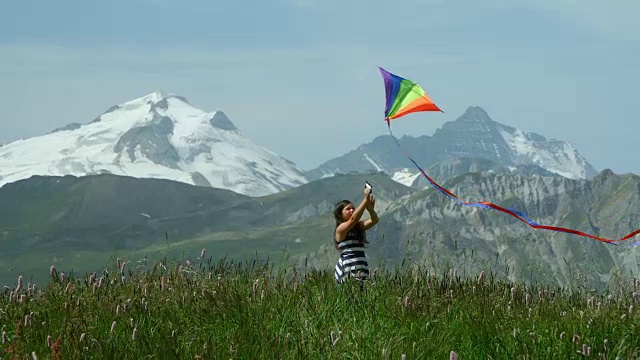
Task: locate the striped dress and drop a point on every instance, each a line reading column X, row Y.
column 353, row 259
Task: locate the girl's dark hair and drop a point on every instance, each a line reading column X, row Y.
column 357, row 231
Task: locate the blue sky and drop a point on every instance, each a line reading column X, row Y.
column 300, row 76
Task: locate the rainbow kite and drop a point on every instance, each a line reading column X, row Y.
column 405, row 97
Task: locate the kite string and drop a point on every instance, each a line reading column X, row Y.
column 515, row 213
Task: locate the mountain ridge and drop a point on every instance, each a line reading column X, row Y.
column 472, row 135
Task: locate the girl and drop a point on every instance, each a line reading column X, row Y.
column 349, row 237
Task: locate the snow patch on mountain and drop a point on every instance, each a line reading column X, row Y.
column 370, row 160
column 556, row 156
column 405, row 176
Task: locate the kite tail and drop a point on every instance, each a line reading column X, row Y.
column 515, row 213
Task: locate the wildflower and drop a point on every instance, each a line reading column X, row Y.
column 404, row 357
column 66, row 288
column 453, row 356
column 118, row 263
column 133, row 336
column 515, row 333
column 606, row 343
column 19, row 283
column 527, row 298
column 82, row 336
column 49, row 341
column 584, row 349
column 34, row 356
column 635, row 296
column 62, row 276
column 533, row 336
column 52, row 271
column 4, row 337
column 162, row 283
column 576, row 339
column 406, row 301
column 334, row 340
column 118, row 310
column 480, row 277
column 255, row 288
column 262, row 294
column 513, row 292
column 202, row 253
column 113, row 327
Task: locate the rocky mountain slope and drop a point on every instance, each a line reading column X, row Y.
column 73, row 223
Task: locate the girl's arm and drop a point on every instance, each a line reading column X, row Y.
column 369, row 223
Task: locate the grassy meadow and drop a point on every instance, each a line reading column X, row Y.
column 206, row 309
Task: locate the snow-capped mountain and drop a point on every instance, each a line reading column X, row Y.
column 159, row 135
column 472, row 135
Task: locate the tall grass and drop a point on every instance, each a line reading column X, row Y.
column 252, row 310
